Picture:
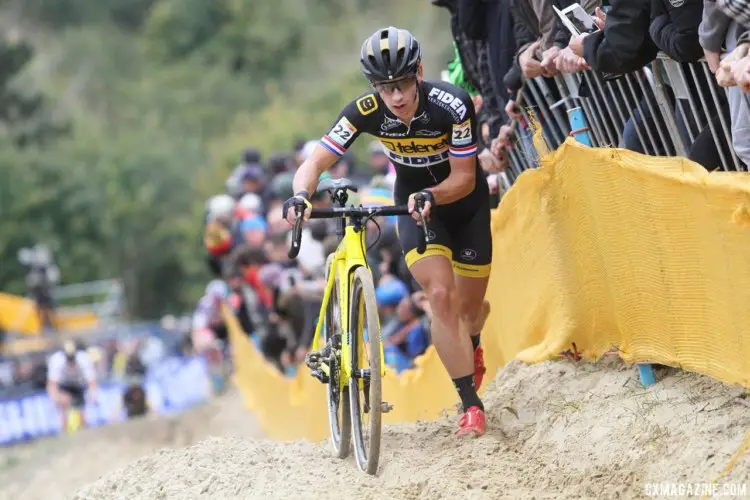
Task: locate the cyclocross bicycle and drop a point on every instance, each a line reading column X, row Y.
column 351, row 358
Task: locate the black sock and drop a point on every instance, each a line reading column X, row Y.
column 475, row 340
column 468, row 392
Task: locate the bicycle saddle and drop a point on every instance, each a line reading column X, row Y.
column 333, row 184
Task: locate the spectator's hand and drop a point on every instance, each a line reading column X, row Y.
column 502, row 141
column 478, row 102
column 713, row 59
column 576, row 44
column 286, row 359
column 726, row 75
column 299, row 355
column 492, row 183
column 512, row 110
column 569, row 62
column 530, row 67
column 742, row 74
column 548, row 60
column 600, row 18
column 488, row 161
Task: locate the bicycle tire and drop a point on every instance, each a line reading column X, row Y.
column 363, row 292
column 339, row 423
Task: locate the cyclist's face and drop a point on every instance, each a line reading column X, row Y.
column 401, row 95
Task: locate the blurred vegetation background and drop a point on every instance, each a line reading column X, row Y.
column 119, row 118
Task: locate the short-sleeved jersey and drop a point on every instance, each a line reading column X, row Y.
column 443, row 126
column 78, row 373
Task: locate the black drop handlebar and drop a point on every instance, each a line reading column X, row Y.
column 359, row 213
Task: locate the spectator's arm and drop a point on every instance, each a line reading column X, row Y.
column 682, row 46
column 623, row 46
column 547, row 22
column 524, row 37
column 712, row 32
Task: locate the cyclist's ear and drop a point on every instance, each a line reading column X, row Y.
column 420, row 72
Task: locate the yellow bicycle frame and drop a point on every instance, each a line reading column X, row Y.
column 349, row 255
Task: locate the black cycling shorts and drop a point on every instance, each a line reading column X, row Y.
column 460, row 231
column 76, row 393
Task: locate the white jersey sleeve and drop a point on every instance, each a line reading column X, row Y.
column 55, row 365
column 83, row 360
column 57, row 373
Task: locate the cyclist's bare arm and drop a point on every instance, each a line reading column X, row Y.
column 307, row 175
column 459, row 183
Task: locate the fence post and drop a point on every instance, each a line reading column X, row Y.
column 580, row 132
column 579, row 129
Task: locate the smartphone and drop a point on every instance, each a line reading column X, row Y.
column 576, row 19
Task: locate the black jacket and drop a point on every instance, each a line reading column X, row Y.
column 491, row 22
column 675, row 29
column 625, row 44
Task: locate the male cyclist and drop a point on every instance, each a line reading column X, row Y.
column 428, row 129
column 70, row 372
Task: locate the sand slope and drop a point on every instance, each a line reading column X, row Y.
column 557, row 430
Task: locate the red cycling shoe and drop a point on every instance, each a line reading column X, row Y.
column 471, row 423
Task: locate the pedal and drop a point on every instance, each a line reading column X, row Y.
column 385, row 407
column 318, row 374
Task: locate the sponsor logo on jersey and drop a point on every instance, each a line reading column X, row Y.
column 448, row 102
column 390, row 123
column 416, row 146
column 342, row 132
column 417, row 151
column 462, row 134
column 428, row 133
column 393, row 134
column 367, row 104
column 422, row 118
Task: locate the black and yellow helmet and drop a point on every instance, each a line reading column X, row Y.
column 389, row 54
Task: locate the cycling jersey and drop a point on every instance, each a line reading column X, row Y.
column 444, row 125
column 71, row 378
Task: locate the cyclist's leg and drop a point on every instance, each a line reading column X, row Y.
column 433, row 270
column 472, row 259
column 63, row 401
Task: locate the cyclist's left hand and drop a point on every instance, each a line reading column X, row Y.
column 425, row 211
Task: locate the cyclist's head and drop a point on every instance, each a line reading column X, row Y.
column 70, row 348
column 391, row 60
column 390, row 54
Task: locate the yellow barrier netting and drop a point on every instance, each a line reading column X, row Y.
column 602, row 247
column 18, row 314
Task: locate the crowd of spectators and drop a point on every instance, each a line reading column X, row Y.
column 503, row 44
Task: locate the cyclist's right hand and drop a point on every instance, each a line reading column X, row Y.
column 299, row 201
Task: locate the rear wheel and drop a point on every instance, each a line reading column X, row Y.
column 365, row 384
column 339, row 416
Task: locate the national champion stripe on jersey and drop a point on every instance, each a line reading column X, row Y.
column 332, row 146
column 463, row 152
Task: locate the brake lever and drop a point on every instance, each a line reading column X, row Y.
column 422, row 243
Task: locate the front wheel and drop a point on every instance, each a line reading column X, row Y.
column 365, row 395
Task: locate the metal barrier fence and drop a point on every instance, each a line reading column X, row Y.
column 665, row 109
